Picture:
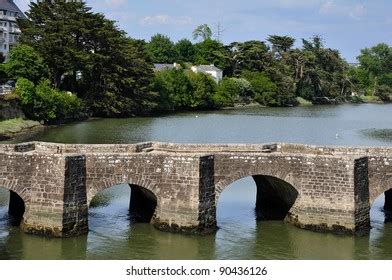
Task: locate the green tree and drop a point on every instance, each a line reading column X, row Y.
column 87, row 54
column 185, row 50
column 45, row 103
column 226, row 93
column 203, row 90
column 383, row 92
column 202, row 32
column 263, row 88
column 281, row 44
column 212, row 52
column 376, row 62
column 25, row 62
column 162, row 49
column 251, row 56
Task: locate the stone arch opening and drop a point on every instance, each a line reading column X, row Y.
column 383, row 203
column 274, row 197
column 16, row 206
column 142, row 202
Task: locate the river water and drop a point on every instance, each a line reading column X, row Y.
column 113, row 235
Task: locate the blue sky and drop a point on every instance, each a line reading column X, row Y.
column 347, row 25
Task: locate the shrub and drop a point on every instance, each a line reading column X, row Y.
column 44, row 103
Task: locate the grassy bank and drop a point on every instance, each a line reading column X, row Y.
column 9, row 128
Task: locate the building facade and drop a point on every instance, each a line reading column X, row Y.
column 215, row 72
column 9, row 31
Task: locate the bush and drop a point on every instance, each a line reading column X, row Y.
column 265, row 91
column 226, row 94
column 384, row 93
column 203, row 91
column 44, row 103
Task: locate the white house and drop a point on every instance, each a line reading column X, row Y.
column 164, row 66
column 9, row 31
column 215, row 72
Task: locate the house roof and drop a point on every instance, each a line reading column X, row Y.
column 9, row 5
column 205, row 68
column 160, row 66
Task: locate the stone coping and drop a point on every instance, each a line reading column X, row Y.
column 207, row 149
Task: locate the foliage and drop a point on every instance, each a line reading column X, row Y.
column 25, row 62
column 281, row 44
column 174, row 90
column 383, row 92
column 251, row 56
column 244, row 89
column 212, row 52
column 202, row 32
column 87, row 54
column 204, row 88
column 44, row 103
column 226, row 93
column 161, row 49
column 185, row 50
column 263, row 88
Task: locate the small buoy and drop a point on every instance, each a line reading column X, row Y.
column 337, row 136
column 197, row 117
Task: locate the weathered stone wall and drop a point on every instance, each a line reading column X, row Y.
column 75, row 212
column 326, row 186
column 335, row 186
column 361, row 193
column 174, row 180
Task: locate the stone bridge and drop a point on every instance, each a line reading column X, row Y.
column 177, row 187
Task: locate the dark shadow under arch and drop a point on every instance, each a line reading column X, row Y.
column 16, row 208
column 275, row 198
column 388, row 206
column 142, row 203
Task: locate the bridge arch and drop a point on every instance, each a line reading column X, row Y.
column 144, row 200
column 18, row 199
column 276, row 191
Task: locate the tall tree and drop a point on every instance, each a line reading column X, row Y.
column 377, row 63
column 251, row 55
column 185, row 50
column 202, row 32
column 281, row 44
column 88, row 54
column 25, row 62
column 212, row 52
column 162, row 49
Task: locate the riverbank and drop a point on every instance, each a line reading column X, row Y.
column 12, row 128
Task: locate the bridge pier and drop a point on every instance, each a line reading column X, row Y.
column 334, row 198
column 189, row 209
column 58, row 206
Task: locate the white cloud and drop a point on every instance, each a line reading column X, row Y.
column 331, row 8
column 358, row 11
column 293, row 4
column 165, row 20
column 115, row 3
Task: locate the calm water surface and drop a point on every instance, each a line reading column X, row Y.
column 113, row 236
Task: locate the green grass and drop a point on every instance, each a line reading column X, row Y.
column 303, row 102
column 370, row 99
column 13, row 126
